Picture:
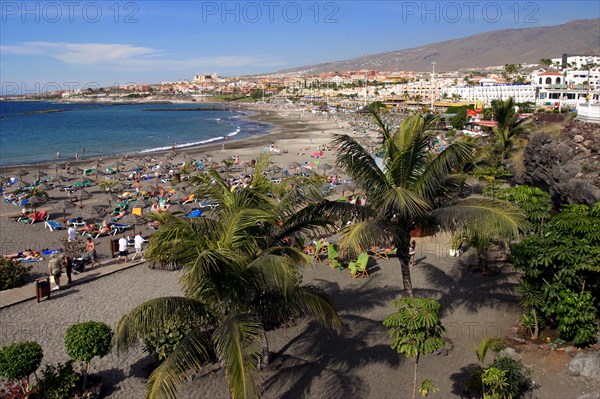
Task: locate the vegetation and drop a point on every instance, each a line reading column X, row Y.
column 58, row 381
column 240, row 279
column 85, row 341
column 563, row 268
column 19, row 360
column 509, row 127
column 12, row 273
column 415, row 329
column 417, row 188
column 535, row 202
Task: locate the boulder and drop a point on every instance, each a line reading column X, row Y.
column 565, row 165
column 510, row 352
column 586, row 365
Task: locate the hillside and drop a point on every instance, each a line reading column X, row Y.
column 498, row 47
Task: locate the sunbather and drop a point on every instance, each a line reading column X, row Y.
column 24, row 255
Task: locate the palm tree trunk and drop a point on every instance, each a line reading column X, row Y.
column 415, row 377
column 536, row 328
column 264, row 348
column 402, row 250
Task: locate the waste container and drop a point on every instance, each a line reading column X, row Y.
column 42, row 288
column 114, row 248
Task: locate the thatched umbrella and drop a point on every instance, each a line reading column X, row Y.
column 21, row 172
column 64, row 205
column 131, row 219
column 94, row 212
column 34, row 201
column 83, row 194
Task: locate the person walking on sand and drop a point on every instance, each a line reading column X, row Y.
column 138, row 244
column 411, row 253
column 71, row 234
column 68, row 265
column 54, row 269
column 90, row 250
column 122, row 249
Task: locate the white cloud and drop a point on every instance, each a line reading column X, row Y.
column 128, row 57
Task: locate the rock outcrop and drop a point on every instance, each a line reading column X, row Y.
column 566, row 165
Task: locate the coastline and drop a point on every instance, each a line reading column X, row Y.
column 292, row 130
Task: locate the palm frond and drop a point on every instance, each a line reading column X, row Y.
column 446, row 162
column 275, row 273
column 315, row 304
column 192, row 352
column 404, row 204
column 487, row 215
column 157, row 314
column 237, row 341
column 360, row 237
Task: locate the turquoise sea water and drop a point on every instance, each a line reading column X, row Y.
column 29, row 133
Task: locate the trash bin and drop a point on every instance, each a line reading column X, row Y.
column 114, row 248
column 42, row 288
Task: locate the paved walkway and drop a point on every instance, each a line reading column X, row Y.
column 27, row 292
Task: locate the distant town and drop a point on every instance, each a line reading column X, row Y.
column 557, row 84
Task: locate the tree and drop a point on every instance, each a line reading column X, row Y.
column 415, row 329
column 240, row 279
column 564, row 266
column 509, row 125
column 85, row 341
column 545, row 62
column 531, row 299
column 511, row 71
column 19, row 360
column 416, row 188
column 535, row 202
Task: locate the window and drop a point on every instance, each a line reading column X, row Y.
column 548, row 81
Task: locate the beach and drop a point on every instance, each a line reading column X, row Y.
column 308, row 361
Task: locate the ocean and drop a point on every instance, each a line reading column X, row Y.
column 32, row 132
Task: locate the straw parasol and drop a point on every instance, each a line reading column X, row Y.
column 94, row 212
column 83, row 194
column 64, row 205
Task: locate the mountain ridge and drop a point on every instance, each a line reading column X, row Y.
column 521, row 45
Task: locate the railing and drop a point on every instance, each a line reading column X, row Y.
column 588, row 112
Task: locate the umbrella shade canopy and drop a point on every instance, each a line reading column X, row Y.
column 35, row 201
column 141, row 203
column 94, row 212
column 179, row 195
column 64, row 205
column 326, row 166
column 83, row 194
column 177, row 208
column 292, row 165
column 120, row 187
column 45, row 187
column 347, row 187
column 183, row 185
column 131, row 219
column 21, row 172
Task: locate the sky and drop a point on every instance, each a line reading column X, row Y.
column 61, row 45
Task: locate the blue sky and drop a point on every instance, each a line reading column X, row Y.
column 97, row 43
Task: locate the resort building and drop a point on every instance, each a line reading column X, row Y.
column 489, row 91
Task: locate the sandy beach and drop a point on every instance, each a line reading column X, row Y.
column 308, row 361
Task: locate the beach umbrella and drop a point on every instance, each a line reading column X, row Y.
column 141, row 202
column 94, row 212
column 64, row 205
column 178, row 208
column 131, row 219
column 347, row 187
column 21, row 172
column 178, row 196
column 83, row 194
column 108, row 198
column 120, row 187
column 34, row 201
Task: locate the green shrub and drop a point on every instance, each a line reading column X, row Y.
column 19, row 360
column 516, row 376
column 161, row 343
column 85, row 341
column 576, row 313
column 12, row 273
column 58, row 381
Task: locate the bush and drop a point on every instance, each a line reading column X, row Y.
column 19, row 360
column 12, row 273
column 576, row 313
column 58, row 381
column 516, row 375
column 161, row 343
column 85, row 341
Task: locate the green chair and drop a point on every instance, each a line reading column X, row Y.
column 333, row 258
column 359, row 268
column 320, row 249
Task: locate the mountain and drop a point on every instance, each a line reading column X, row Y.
column 507, row 46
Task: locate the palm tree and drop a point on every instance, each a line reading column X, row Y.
column 239, row 281
column 416, row 188
column 509, row 125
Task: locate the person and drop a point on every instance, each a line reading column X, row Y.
column 90, row 250
column 54, row 269
column 68, row 265
column 72, row 233
column 122, row 249
column 138, row 244
column 76, row 156
column 411, row 253
column 57, row 154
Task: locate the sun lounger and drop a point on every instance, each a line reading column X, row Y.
column 359, row 268
column 76, row 222
column 120, row 227
column 196, row 213
column 53, row 225
column 333, row 258
column 382, row 253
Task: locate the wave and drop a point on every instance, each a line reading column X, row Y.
column 193, row 144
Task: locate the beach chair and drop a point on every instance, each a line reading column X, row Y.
column 53, row 225
column 320, row 249
column 76, row 222
column 196, row 213
column 359, row 268
column 189, row 198
column 382, row 253
column 39, row 216
column 120, row 227
column 333, row 258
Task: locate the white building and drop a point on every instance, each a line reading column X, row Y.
column 576, row 61
column 485, row 94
